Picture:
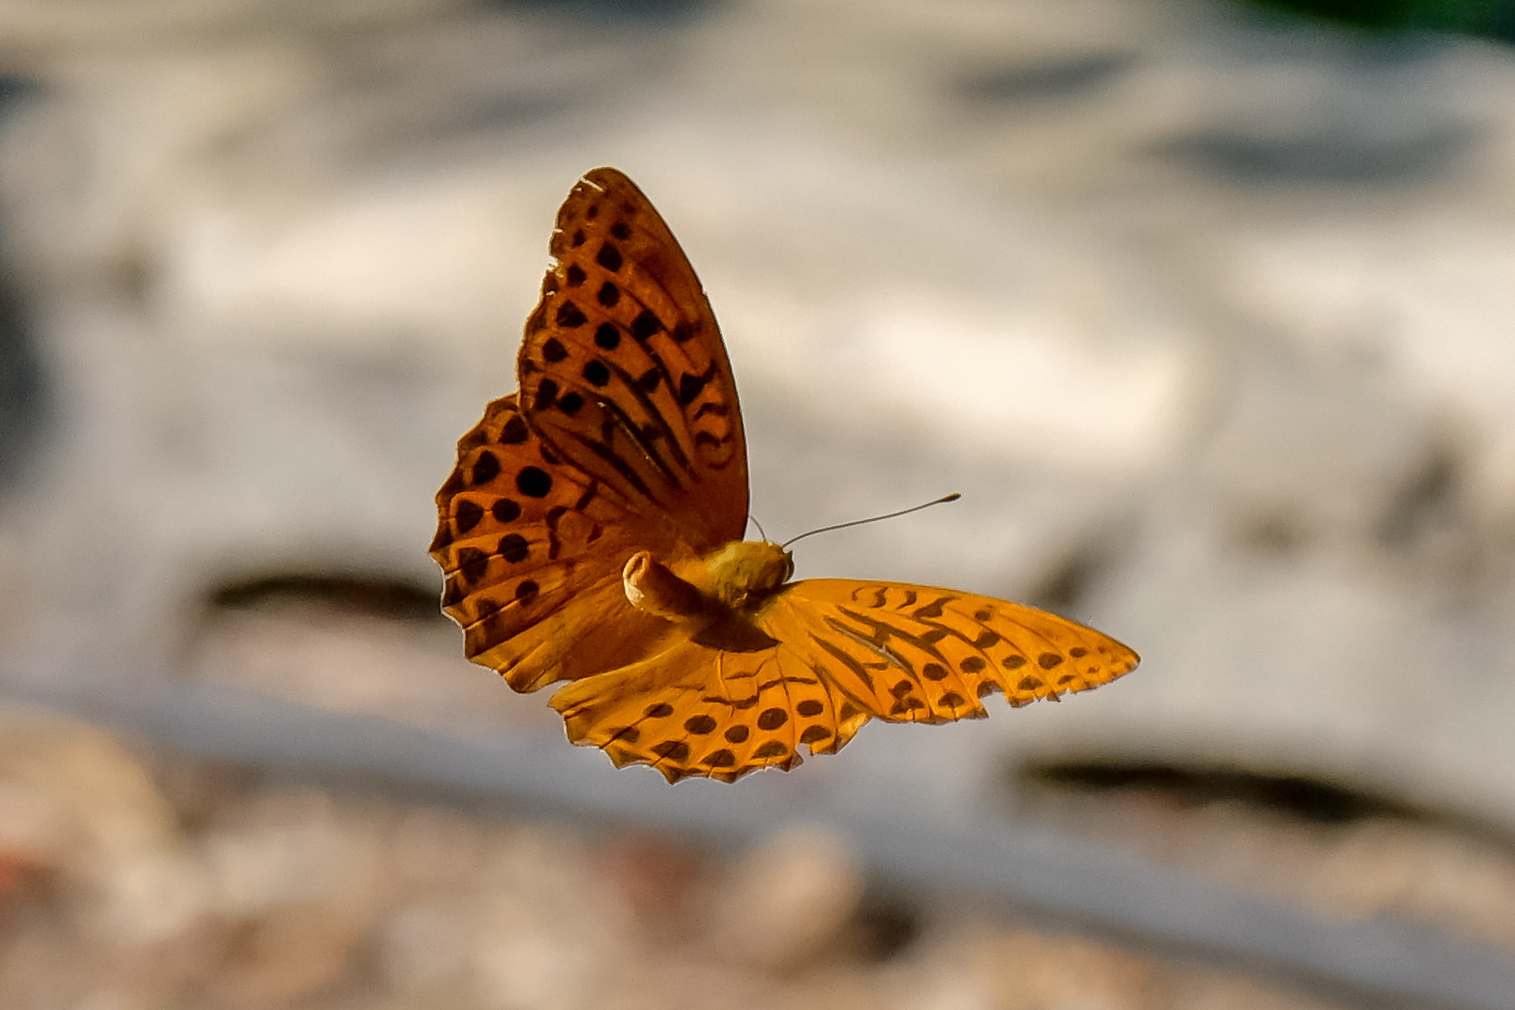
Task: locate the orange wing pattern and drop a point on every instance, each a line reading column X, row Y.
column 843, row 652
column 626, row 434
column 530, row 547
column 921, row 654
column 623, row 370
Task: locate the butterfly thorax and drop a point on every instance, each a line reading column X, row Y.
column 733, row 580
column 745, row 573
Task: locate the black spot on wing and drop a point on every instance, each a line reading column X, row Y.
column 515, row 431
column 645, row 326
column 513, row 548
column 609, row 257
column 533, row 482
column 691, row 386
column 596, row 373
column 672, row 750
column 607, row 337
column 485, row 469
column 772, row 718
column 467, row 515
column 814, row 735
column 472, row 564
column 547, row 392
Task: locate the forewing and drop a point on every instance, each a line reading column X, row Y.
column 532, row 549
column 920, row 654
column 623, row 370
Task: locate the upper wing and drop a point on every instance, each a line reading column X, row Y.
column 626, row 435
column 841, row 652
column 623, row 370
column 532, row 549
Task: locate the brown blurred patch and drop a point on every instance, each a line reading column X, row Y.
column 1317, row 844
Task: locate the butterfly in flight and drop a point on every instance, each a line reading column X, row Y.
column 592, row 533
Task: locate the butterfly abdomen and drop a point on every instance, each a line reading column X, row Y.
column 651, row 586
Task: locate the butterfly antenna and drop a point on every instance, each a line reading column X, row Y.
column 954, row 496
column 753, row 520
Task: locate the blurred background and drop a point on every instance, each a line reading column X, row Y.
column 1202, row 305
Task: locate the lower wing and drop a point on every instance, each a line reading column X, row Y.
column 838, row 652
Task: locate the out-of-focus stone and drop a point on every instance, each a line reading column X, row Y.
column 785, row 902
column 74, row 798
column 660, row 876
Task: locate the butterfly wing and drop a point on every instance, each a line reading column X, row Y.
column 531, row 549
column 623, row 370
column 699, row 710
column 626, row 435
column 922, row 654
column 841, row 652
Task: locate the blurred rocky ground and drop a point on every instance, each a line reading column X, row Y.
column 1203, row 310
column 130, row 880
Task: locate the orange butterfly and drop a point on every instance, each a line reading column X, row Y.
column 591, row 532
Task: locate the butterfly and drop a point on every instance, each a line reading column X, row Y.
column 591, row 532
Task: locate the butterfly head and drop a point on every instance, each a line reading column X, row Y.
column 745, row 573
